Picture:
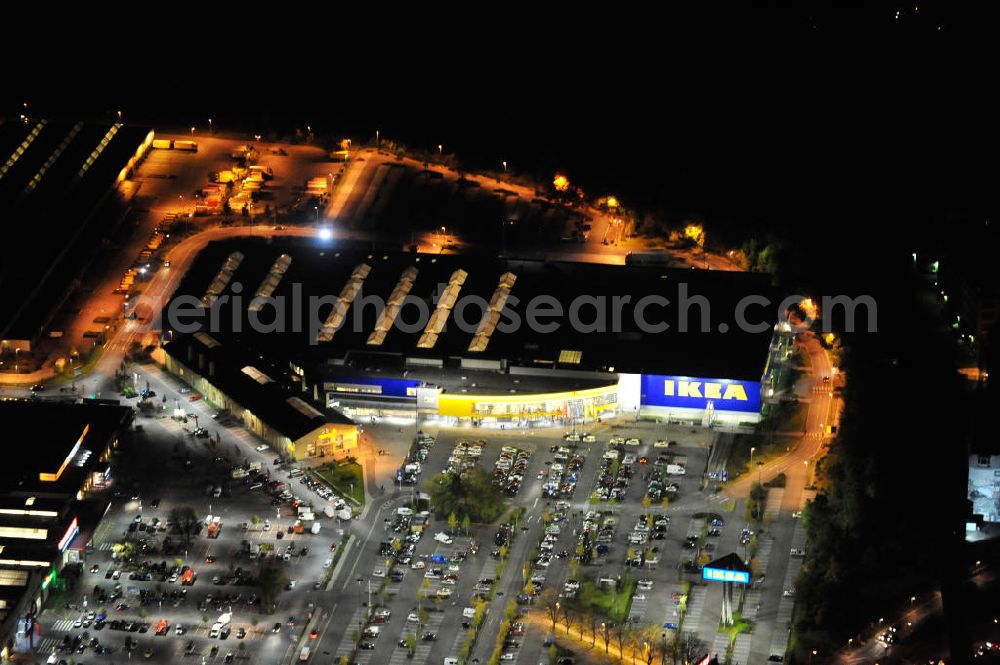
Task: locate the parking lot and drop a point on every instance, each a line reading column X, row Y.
column 160, row 597
column 558, row 482
column 409, row 587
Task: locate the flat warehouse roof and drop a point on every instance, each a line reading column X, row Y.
column 60, row 440
column 253, row 383
column 619, row 310
column 53, row 177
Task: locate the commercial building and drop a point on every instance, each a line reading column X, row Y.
column 57, row 203
column 269, row 409
column 51, row 500
column 488, row 342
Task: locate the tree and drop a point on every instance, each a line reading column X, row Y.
column 549, row 600
column 504, row 551
column 185, row 523
column 620, row 633
column 553, row 654
column 646, row 502
column 529, row 588
column 591, row 620
column 471, row 493
column 466, row 524
column 687, row 648
column 396, row 545
column 452, row 522
column 411, row 643
column 255, row 520
column 665, row 502
column 271, row 579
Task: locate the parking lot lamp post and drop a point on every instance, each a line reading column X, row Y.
column 752, row 450
column 760, row 467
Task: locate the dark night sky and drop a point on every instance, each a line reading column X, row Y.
column 794, row 116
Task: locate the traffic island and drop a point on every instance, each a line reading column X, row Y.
column 345, row 477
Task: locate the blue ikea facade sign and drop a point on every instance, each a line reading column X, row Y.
column 372, row 386
column 688, row 392
column 723, row 575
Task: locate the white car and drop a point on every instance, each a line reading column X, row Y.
column 633, row 441
column 179, row 629
column 328, row 563
column 262, row 447
column 267, row 525
column 291, row 585
column 378, row 572
column 788, row 593
column 417, row 565
column 413, row 617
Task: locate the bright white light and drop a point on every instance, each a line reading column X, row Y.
column 326, row 234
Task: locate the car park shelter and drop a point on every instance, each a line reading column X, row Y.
column 460, row 338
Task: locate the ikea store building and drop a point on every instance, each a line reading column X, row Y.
column 476, row 340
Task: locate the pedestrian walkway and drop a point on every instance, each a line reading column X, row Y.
column 772, row 504
column 695, row 607
column 720, row 644
column 48, row 645
column 741, row 649
column 346, row 647
column 422, row 649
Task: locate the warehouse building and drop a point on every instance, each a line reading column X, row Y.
column 266, row 407
column 400, row 334
column 51, row 500
column 57, row 203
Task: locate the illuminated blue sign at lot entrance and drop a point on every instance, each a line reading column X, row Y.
column 721, row 575
column 689, row 392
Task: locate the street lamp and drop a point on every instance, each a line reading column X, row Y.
column 119, row 117
column 209, row 125
column 376, row 138
column 504, row 167
column 192, row 131
column 440, row 149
